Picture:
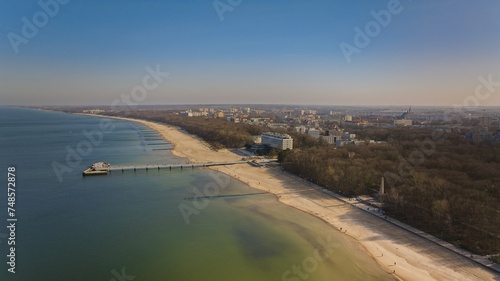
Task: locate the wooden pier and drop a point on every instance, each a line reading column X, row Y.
column 152, row 167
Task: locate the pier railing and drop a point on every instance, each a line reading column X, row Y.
column 171, row 166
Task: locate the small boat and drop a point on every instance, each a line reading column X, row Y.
column 99, row 168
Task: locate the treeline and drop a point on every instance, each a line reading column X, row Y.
column 436, row 182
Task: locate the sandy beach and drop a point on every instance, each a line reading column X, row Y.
column 398, row 252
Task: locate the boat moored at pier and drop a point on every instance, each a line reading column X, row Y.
column 99, row 168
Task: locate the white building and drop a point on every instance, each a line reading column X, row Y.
column 278, row 141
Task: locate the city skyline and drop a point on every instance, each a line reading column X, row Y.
column 240, row 52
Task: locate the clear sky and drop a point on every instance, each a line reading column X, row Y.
column 431, row 52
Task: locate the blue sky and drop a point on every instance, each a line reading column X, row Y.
column 91, row 52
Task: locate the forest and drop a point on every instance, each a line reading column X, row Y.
column 435, row 181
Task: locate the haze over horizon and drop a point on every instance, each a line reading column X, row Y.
column 93, row 52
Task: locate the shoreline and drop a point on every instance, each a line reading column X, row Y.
column 398, row 252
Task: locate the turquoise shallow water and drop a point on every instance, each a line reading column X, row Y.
column 130, row 226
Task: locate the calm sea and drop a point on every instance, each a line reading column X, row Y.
column 129, row 226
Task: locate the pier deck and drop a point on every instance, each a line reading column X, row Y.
column 102, row 168
column 169, row 166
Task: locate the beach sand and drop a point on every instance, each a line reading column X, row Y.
column 407, row 256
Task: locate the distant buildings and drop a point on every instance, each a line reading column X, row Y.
column 403, row 122
column 93, row 111
column 189, row 113
column 430, row 117
column 313, row 133
column 340, row 143
column 487, row 121
column 331, row 139
column 348, row 136
column 278, row 141
column 299, row 112
column 301, row 129
column 328, row 125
